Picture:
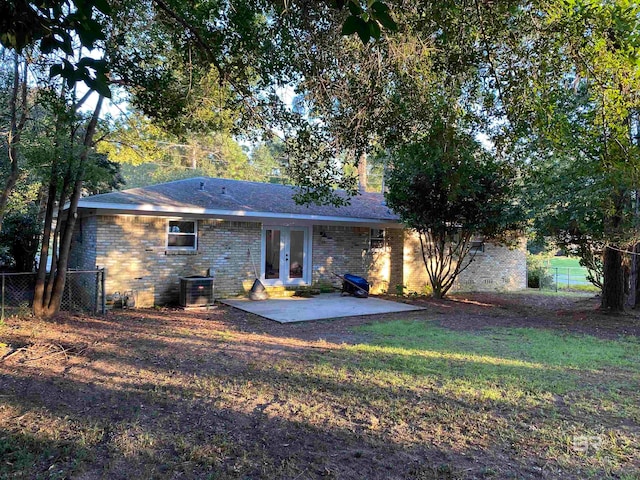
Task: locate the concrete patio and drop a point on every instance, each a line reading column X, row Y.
column 328, row 305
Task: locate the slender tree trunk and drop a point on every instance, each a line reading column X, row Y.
column 53, row 306
column 41, row 275
column 613, row 288
column 47, row 228
column 194, row 158
column 68, row 180
column 18, row 117
column 635, row 278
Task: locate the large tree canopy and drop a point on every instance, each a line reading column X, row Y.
column 543, row 81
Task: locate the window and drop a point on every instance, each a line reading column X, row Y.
column 182, row 234
column 477, row 246
column 376, row 239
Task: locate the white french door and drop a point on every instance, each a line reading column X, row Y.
column 286, row 255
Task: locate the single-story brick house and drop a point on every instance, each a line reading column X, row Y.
column 148, row 237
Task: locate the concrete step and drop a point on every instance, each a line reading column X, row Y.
column 278, row 291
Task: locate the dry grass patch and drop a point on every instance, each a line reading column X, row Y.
column 168, row 394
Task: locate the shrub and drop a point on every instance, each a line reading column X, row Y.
column 538, row 274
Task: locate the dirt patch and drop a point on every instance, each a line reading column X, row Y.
column 226, row 394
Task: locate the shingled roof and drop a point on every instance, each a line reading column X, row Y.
column 221, row 196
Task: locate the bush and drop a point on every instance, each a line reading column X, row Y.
column 538, row 274
column 19, row 240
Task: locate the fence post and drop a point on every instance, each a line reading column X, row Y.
column 2, row 314
column 568, row 278
column 556, row 282
column 104, row 299
column 96, row 296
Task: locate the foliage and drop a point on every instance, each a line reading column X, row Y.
column 449, row 189
column 575, row 122
column 154, row 155
column 55, row 27
column 367, row 22
column 20, row 235
column 268, row 157
column 538, row 273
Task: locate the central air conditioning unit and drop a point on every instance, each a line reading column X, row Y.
column 196, row 291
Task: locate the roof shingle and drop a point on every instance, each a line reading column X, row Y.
column 222, row 194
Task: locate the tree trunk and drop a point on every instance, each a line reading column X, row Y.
column 53, row 305
column 41, row 275
column 51, row 195
column 68, row 180
column 194, row 161
column 635, row 279
column 18, row 114
column 362, row 172
column 613, row 288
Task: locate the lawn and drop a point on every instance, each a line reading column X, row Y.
column 565, row 262
column 484, row 386
column 569, row 274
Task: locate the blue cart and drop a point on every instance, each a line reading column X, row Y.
column 354, row 285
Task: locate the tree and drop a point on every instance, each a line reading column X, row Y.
column 17, row 100
column 53, row 27
column 449, row 189
column 72, row 149
column 61, row 32
column 576, row 111
column 20, row 235
column 153, row 154
column 268, row 157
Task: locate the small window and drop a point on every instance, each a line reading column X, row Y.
column 477, row 246
column 182, row 234
column 376, row 239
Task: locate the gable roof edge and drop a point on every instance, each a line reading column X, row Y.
column 118, row 208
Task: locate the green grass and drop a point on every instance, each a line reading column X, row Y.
column 534, row 347
column 573, row 293
column 512, row 360
column 516, row 370
column 278, row 405
column 569, row 274
column 565, row 262
column 536, row 389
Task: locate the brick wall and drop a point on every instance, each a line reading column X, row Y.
column 83, row 244
column 346, row 250
column 497, row 268
column 338, row 249
column 133, row 250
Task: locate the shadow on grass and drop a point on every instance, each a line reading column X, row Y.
column 139, row 430
column 28, row 455
column 157, row 401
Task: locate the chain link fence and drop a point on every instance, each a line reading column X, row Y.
column 561, row 278
column 83, row 292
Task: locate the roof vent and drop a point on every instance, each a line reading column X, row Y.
column 224, row 190
column 202, row 186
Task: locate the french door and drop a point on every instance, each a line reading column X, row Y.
column 286, row 258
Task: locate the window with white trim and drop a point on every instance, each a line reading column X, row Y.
column 376, row 239
column 182, row 234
